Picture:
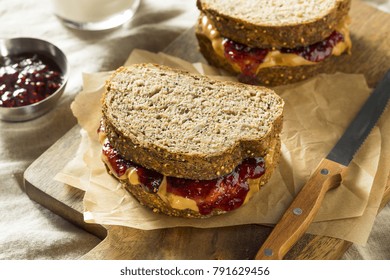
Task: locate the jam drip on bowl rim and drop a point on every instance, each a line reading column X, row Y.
column 27, row 79
column 225, row 193
column 249, row 59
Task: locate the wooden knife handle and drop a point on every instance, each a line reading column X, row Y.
column 302, row 211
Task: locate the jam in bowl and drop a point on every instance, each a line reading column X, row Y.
column 33, row 76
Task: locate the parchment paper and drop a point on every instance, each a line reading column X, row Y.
column 317, row 112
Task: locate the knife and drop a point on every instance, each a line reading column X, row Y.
column 326, row 176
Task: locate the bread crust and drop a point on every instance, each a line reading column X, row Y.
column 268, row 76
column 200, row 166
column 277, row 36
column 158, row 205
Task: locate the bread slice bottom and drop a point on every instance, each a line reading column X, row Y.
column 159, row 205
column 268, row 76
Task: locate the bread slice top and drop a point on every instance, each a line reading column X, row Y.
column 275, row 23
column 186, row 125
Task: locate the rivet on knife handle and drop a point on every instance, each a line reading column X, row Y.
column 302, row 211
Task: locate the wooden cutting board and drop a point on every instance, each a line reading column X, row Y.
column 371, row 55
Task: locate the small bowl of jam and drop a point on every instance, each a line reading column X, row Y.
column 33, row 76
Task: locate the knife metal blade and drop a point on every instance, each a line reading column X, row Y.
column 326, row 176
column 363, row 123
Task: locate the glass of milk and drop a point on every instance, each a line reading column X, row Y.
column 95, row 14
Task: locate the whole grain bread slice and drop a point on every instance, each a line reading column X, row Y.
column 275, row 23
column 186, row 125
